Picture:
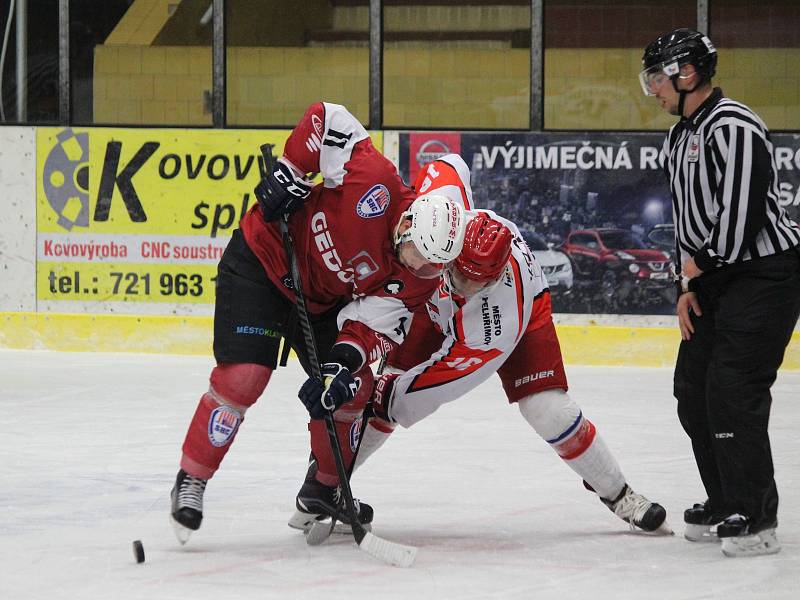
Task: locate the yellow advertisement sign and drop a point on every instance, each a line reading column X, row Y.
column 141, row 215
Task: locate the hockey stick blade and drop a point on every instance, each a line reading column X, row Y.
column 392, row 553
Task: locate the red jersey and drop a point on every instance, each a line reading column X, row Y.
column 343, row 234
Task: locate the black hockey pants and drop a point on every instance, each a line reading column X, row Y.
column 723, row 377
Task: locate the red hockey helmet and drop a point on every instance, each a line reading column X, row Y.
column 487, row 247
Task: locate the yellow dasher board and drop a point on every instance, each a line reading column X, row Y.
column 140, row 215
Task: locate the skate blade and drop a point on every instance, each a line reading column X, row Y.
column 305, row 521
column 181, row 532
column 663, row 529
column 700, row 533
column 319, row 532
column 756, row 544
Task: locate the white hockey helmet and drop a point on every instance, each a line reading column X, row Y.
column 437, row 228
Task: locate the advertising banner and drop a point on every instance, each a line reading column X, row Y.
column 134, row 221
column 580, row 198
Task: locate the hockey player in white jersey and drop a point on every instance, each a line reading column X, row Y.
column 492, row 314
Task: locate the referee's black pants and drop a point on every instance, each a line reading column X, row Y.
column 723, row 377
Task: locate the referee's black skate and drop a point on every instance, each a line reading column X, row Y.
column 317, row 502
column 738, row 538
column 640, row 512
column 701, row 523
column 187, row 505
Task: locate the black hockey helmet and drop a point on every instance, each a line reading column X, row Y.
column 666, row 55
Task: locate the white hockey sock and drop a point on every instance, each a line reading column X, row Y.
column 375, row 435
column 558, row 420
column 599, row 469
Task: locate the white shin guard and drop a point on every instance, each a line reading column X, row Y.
column 373, row 438
column 559, row 421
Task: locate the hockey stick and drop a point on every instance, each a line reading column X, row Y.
column 319, row 531
column 391, row 553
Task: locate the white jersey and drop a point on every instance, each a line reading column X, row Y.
column 447, row 176
column 480, row 334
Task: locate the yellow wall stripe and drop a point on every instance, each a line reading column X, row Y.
column 580, row 344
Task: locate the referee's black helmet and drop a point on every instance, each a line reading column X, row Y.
column 680, row 47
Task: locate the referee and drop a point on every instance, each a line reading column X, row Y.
column 740, row 283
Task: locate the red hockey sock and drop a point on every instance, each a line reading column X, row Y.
column 234, row 388
column 348, row 440
column 348, row 428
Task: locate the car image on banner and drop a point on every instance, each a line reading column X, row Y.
column 559, row 183
column 620, row 268
column 555, row 264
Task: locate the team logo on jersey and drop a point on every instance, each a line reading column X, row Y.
column 222, row 425
column 374, row 202
column 393, row 287
column 694, row 149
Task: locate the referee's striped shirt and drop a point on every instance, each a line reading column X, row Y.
column 724, row 184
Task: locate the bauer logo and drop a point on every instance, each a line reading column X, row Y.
column 222, row 425
column 374, row 202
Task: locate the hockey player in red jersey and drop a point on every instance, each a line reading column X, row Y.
column 492, row 314
column 363, row 240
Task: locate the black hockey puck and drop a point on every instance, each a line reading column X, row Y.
column 138, row 551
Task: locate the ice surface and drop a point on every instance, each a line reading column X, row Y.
column 91, row 444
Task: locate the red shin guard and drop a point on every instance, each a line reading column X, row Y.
column 234, row 388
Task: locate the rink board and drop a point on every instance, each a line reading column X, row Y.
column 581, row 344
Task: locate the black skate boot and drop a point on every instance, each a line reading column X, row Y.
column 739, row 539
column 318, row 502
column 701, row 521
column 638, row 511
column 187, row 505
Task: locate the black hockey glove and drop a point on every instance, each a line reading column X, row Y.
column 281, row 192
column 338, row 386
column 381, row 400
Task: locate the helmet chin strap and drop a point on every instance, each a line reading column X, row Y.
column 681, row 102
column 683, row 93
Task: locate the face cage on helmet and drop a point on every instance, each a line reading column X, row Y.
column 654, row 77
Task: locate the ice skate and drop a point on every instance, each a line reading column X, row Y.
column 701, row 523
column 316, row 503
column 187, row 505
column 737, row 539
column 638, row 511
